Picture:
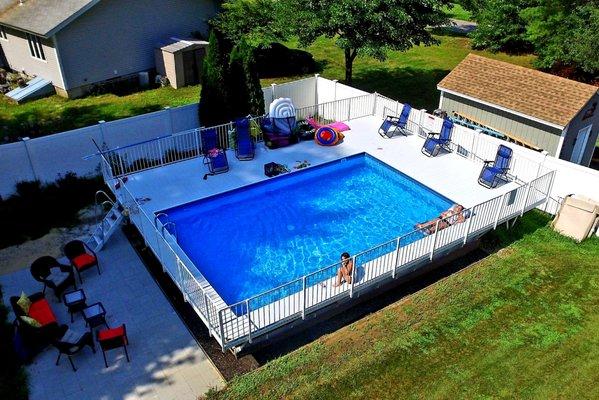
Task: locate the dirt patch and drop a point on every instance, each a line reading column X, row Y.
column 21, row 256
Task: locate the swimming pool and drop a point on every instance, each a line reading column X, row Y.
column 252, row 239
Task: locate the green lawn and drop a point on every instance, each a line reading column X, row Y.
column 57, row 114
column 411, row 76
column 522, row 323
column 458, row 12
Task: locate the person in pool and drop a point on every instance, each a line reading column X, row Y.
column 345, row 271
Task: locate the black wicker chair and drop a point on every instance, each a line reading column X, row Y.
column 81, row 256
column 35, row 338
column 40, row 270
column 69, row 349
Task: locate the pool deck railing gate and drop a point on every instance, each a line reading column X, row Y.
column 240, row 323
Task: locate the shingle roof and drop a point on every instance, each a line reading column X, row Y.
column 42, row 17
column 526, row 91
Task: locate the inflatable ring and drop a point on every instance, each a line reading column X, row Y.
column 327, row 136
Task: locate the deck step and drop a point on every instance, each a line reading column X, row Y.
column 106, row 228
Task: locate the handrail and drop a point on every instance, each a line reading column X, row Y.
column 158, row 215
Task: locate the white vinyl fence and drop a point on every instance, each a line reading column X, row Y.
column 47, row 157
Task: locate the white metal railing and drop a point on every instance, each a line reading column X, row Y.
column 241, row 322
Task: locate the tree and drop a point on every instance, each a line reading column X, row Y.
column 214, row 98
column 368, row 28
column 245, row 91
column 500, row 25
column 565, row 32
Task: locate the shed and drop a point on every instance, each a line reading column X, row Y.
column 180, row 60
column 523, row 105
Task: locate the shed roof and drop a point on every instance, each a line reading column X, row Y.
column 536, row 94
column 173, row 44
column 42, row 17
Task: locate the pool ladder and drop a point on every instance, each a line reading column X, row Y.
column 166, row 225
column 106, row 225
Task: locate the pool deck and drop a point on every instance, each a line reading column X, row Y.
column 449, row 174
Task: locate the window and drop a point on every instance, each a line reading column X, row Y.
column 35, row 47
column 3, row 33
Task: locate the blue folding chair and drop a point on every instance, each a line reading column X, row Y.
column 244, row 144
column 214, row 156
column 391, row 124
column 495, row 171
column 433, row 145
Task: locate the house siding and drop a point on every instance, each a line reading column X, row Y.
column 537, row 134
column 18, row 57
column 118, row 37
column 575, row 126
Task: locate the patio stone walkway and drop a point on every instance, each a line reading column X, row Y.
column 166, row 362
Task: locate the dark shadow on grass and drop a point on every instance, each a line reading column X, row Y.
column 502, row 237
column 416, row 86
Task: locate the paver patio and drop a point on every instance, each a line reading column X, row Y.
column 166, row 362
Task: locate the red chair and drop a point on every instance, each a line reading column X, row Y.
column 81, row 257
column 113, row 339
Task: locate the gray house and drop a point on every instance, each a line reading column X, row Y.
column 77, row 43
column 534, row 109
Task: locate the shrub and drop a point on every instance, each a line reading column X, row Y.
column 36, row 208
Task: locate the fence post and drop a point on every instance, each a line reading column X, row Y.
column 247, row 308
column 434, row 242
column 468, row 226
column 304, row 297
column 335, row 89
column 353, row 277
column 35, row 176
column 349, row 109
column 221, row 329
column 376, row 95
column 421, row 121
column 272, row 92
column 525, row 199
column 542, row 163
column 208, row 314
column 499, row 211
column 102, row 126
column 396, row 259
column 169, row 116
column 550, row 188
column 316, row 88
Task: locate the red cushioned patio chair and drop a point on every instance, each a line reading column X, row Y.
column 113, row 339
column 81, row 257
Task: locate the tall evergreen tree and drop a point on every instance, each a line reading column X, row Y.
column 214, row 106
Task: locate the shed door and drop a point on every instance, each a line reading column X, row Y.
column 191, row 68
column 580, row 144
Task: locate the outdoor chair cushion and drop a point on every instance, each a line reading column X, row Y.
column 42, row 312
column 57, row 277
column 84, row 260
column 108, row 334
column 24, row 303
column 31, row 321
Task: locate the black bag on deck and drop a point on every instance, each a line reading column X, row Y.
column 271, row 169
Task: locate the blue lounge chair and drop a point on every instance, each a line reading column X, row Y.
column 391, row 124
column 214, row 157
column 495, row 171
column 244, row 144
column 433, row 145
column 209, row 140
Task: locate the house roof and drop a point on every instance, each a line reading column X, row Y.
column 538, row 95
column 42, row 17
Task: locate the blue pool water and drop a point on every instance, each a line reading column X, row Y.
column 258, row 237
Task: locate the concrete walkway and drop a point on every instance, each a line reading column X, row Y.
column 166, row 362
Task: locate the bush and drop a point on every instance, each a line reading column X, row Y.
column 13, row 378
column 36, row 208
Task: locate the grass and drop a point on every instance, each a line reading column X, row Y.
column 458, row 12
column 521, row 323
column 56, row 114
column 411, row 76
